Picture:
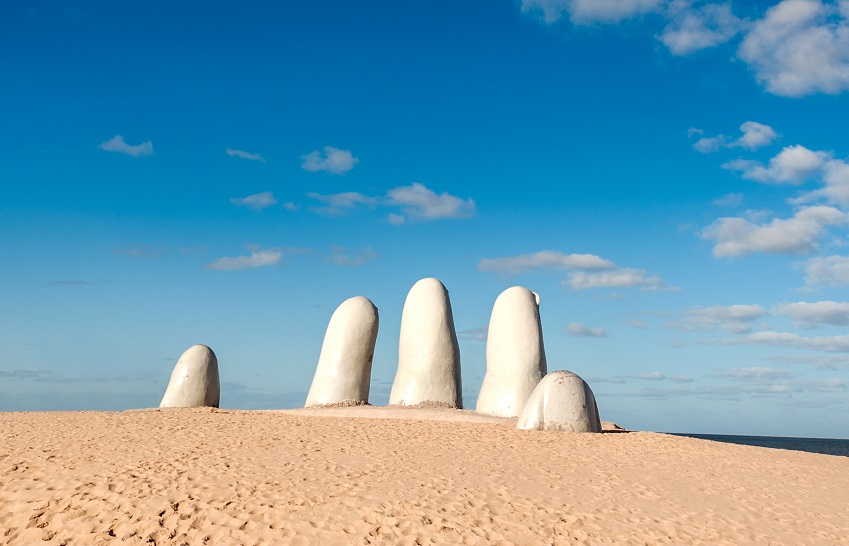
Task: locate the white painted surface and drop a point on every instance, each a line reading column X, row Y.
column 515, row 353
column 561, row 401
column 343, row 373
column 428, row 354
column 194, row 381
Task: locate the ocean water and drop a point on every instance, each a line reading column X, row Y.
column 827, row 446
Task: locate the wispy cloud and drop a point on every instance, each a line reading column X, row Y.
column 420, row 203
column 737, row 319
column 257, row 258
column 339, row 256
column 796, row 235
column 626, row 277
column 245, row 155
column 332, row 160
column 336, row 204
column 141, row 251
column 117, row 144
column 755, row 135
column 544, row 259
column 829, row 344
column 729, row 200
column 475, row 334
column 580, row 330
column 586, row 12
column 257, row 201
column 756, row 373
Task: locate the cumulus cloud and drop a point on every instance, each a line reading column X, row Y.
column 835, row 177
column 257, row 201
column 800, row 47
column 579, row 330
column 625, row 277
column 421, row 203
column 827, row 271
column 333, row 160
column 691, row 29
column 544, row 259
column 339, row 256
column 755, row 135
column 793, row 165
column 829, row 344
column 257, row 258
column 245, row 155
column 796, row 235
column 808, row 315
column 117, row 144
column 336, row 204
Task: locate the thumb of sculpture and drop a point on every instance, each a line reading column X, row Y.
column 194, row 381
column 561, row 401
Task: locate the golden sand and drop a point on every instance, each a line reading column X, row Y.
column 203, row 476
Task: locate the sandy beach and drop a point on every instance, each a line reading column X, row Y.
column 205, row 476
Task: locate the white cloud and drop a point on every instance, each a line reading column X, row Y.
column 835, row 175
column 827, row 271
column 257, row 201
column 800, row 47
column 584, row 12
column 245, row 155
column 117, row 144
column 641, row 324
column 755, row 135
column 545, row 259
column 475, row 334
column 729, row 200
column 619, row 278
column 580, row 330
column 396, row 219
column 292, row 207
column 339, row 203
column 692, row 29
column 795, row 235
column 420, row 203
column 339, row 256
column 257, row 258
column 333, row 160
column 793, row 165
column 651, row 376
column 812, row 314
column 756, row 373
column 830, row 344
column 732, row 318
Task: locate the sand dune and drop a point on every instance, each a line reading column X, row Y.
column 203, row 476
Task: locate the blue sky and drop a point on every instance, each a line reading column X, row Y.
column 672, row 178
